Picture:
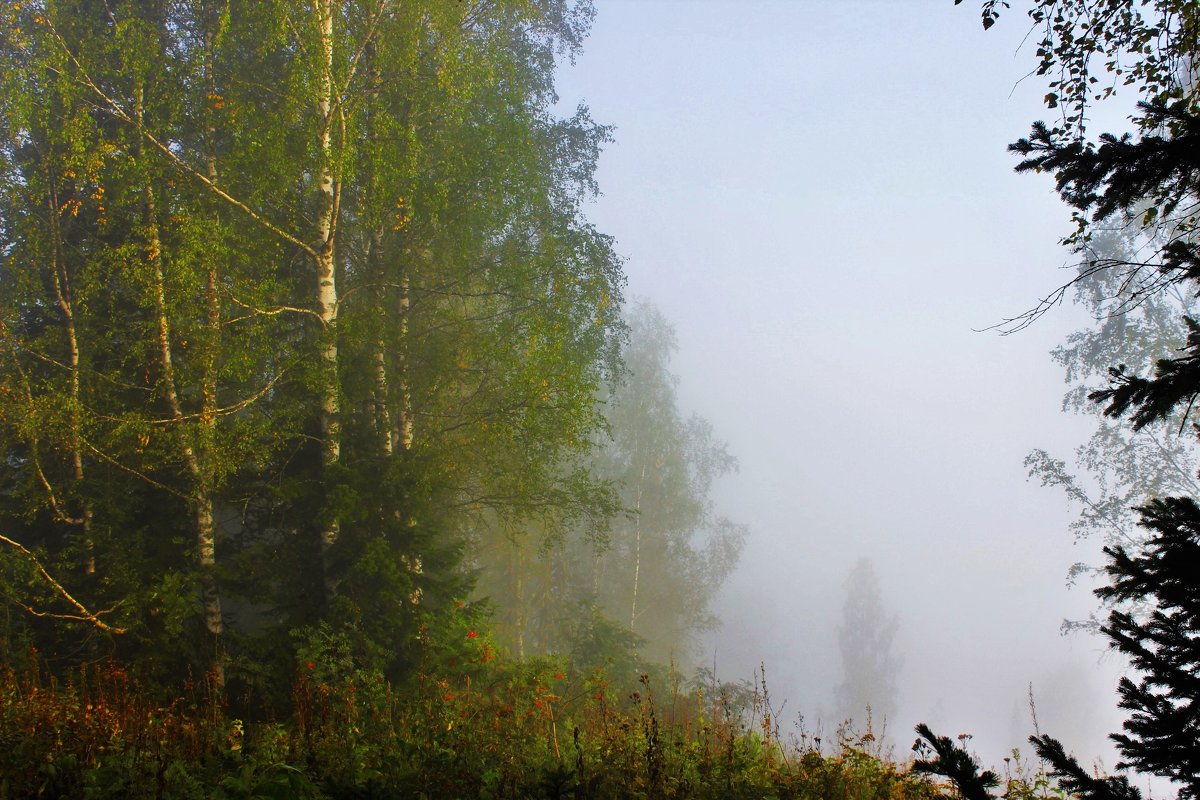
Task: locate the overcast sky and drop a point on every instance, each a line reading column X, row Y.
column 818, row 195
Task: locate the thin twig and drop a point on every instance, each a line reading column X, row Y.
column 270, row 312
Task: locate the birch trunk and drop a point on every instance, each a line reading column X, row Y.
column 327, row 297
column 382, row 409
column 403, row 432
column 522, row 610
column 63, row 295
column 395, row 429
column 205, row 525
column 637, row 546
column 199, row 495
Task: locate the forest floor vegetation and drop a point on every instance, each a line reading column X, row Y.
column 496, row 729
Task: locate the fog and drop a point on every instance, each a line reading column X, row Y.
column 818, row 195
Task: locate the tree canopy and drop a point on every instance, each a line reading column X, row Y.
column 298, row 295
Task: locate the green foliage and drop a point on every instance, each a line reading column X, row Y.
column 302, row 314
column 1024, row 782
column 204, row 443
column 607, row 647
column 99, row 735
column 666, row 561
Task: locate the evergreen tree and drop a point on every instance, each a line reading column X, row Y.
column 1162, row 735
column 1151, row 181
column 865, row 635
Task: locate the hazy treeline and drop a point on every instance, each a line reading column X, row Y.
column 643, row 586
column 304, row 331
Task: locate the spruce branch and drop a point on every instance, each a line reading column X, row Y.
column 1174, row 383
column 955, row 763
column 1076, row 780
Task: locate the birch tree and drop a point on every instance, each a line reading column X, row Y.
column 303, row 295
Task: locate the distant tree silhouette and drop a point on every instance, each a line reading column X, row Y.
column 865, row 637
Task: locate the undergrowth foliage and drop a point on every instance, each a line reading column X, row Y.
column 495, row 728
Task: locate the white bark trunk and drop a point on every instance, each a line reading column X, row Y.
column 382, row 400
column 62, row 292
column 199, row 495
column 403, row 432
column 637, row 548
column 327, row 297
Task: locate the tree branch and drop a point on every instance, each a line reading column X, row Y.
column 84, row 614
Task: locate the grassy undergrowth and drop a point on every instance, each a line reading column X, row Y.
column 487, row 729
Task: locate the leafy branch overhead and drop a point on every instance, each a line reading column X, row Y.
column 1092, row 49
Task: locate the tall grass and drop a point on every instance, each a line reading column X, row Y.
column 487, row 729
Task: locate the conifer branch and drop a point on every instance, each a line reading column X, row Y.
column 955, row 763
column 1174, row 383
column 1076, row 780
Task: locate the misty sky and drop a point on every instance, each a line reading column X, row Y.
column 818, row 195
